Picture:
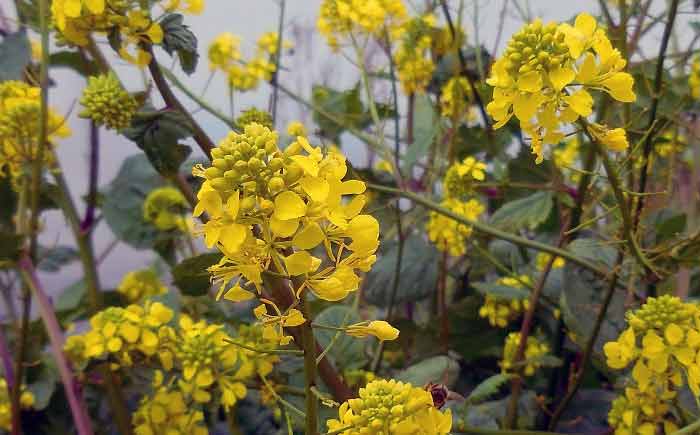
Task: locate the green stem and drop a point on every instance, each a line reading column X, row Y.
column 309, row 345
column 270, row 351
column 172, row 78
column 688, row 430
column 494, row 232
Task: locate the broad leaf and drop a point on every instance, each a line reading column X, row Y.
column 524, row 213
column 178, row 38
column 53, row 258
column 488, row 388
column 439, row 369
column 347, row 352
column 191, row 275
column 425, row 129
column 15, row 54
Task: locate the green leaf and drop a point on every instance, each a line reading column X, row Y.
column 71, row 296
column 15, row 55
column 191, row 275
column 439, row 369
column 8, row 199
column 418, row 275
column 157, row 134
column 524, row 213
column 346, row 106
column 593, row 250
column 73, row 60
column 488, row 388
column 347, row 352
column 669, row 224
column 501, row 291
column 471, row 335
column 123, row 204
column 178, row 38
column 43, row 383
column 425, row 129
column 54, row 258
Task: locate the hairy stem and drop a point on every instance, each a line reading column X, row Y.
column 309, row 345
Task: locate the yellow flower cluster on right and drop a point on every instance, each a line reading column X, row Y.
column 535, row 349
column 20, row 108
column 391, row 408
column 501, row 311
column 663, row 343
column 26, row 401
column 545, row 75
column 449, row 235
column 138, row 285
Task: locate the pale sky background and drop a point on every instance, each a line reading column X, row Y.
column 310, row 62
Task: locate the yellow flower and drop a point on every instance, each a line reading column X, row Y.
column 391, row 407
column 107, row 103
column 414, row 66
column 379, row 328
column 500, row 311
column 694, row 78
column 26, row 402
column 534, row 350
column 141, row 284
column 296, row 128
column 165, row 207
column 615, row 139
column 338, row 19
column 460, row 177
column 455, row 98
column 254, row 115
column 545, row 76
column 448, row 234
column 543, row 259
column 224, row 51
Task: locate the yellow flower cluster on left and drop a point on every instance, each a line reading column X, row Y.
column 662, row 343
column 270, row 209
column 544, row 79
column 500, row 311
column 20, row 108
column 26, row 402
column 125, row 20
column 460, row 177
column 391, row 408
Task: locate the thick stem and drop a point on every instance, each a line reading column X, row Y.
column 71, row 389
column 172, row 102
column 309, row 345
column 89, row 219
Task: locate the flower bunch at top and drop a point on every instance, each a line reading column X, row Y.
column 340, row 20
column 26, row 402
column 120, row 334
column 499, row 310
column 663, row 344
column 460, row 177
column 125, row 20
column 207, row 359
column 391, row 408
column 545, row 75
column 20, row 109
column 165, row 208
column 138, row 285
column 167, row 411
column 269, row 210
column 244, row 75
column 414, row 65
column 535, row 349
column 448, row 234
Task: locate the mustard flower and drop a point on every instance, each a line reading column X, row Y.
column 254, row 115
column 455, row 99
column 543, row 258
column 392, row 408
column 414, row 66
column 460, row 177
column 339, row 19
column 224, row 51
column 449, row 235
column 141, row 284
column 378, row 328
column 534, row 351
column 107, row 103
column 165, row 207
column 500, row 311
column 296, row 128
column 545, row 76
column 26, row 402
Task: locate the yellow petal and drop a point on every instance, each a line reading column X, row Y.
column 561, row 77
column 674, row 334
column 585, row 24
column 232, row 237
column 530, row 81
column 309, row 237
column 588, row 69
column 155, row 33
column 619, row 86
column 294, row 318
column 95, row 6
column 317, row 188
column 298, row 263
column 238, row 294
column 581, row 102
column 289, row 205
column 283, row 228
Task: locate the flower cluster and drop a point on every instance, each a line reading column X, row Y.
column 640, row 413
column 107, row 103
column 392, row 408
column 460, row 177
column 120, row 334
column 269, row 209
column 414, row 65
column 662, row 341
column 165, row 208
column 535, row 349
column 501, row 311
column 20, row 109
column 124, row 20
column 565, row 156
column 26, row 402
column 167, row 411
column 455, row 99
column 254, row 115
column 545, row 75
column 543, row 258
column 449, row 235
column 139, row 285
column 340, row 20
column 244, row 75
